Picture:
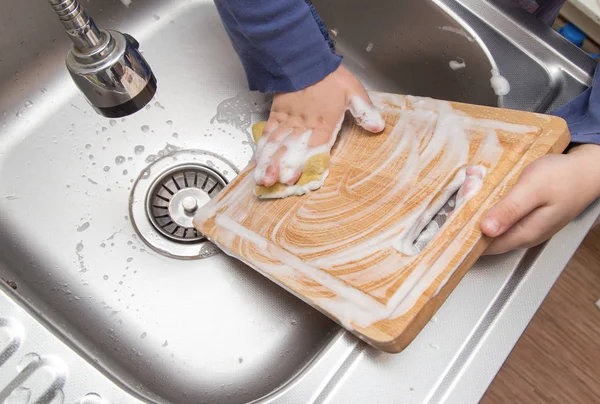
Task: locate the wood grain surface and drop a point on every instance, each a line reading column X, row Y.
column 346, row 249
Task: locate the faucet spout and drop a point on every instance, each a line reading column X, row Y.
column 79, row 26
column 106, row 65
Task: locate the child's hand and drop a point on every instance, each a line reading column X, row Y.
column 550, row 193
column 305, row 122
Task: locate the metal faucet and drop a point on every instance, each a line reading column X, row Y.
column 106, row 65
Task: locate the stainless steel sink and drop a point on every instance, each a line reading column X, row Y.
column 158, row 319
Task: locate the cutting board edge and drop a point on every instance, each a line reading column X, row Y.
column 424, row 314
column 557, row 138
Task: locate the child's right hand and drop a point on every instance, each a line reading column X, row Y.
column 550, row 193
column 304, row 123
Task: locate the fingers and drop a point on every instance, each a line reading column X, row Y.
column 272, row 170
column 533, row 229
column 522, row 199
column 283, row 156
column 268, row 146
column 292, row 160
column 365, row 113
column 473, row 179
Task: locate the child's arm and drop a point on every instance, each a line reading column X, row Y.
column 285, row 51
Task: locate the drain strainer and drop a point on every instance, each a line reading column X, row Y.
column 166, row 196
column 176, row 195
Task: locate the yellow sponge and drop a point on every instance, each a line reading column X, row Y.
column 313, row 171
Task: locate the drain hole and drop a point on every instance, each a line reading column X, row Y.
column 175, row 196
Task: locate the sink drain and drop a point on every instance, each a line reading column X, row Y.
column 176, row 195
column 166, row 196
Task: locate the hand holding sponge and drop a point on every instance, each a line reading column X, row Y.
column 313, row 175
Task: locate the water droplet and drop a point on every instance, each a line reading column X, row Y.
column 175, row 135
column 27, row 360
column 91, row 156
column 106, row 168
column 158, row 105
column 43, row 90
column 20, row 395
column 145, row 128
column 120, row 160
column 143, row 335
column 293, row 322
column 28, row 104
column 104, row 129
column 150, row 158
column 112, row 122
column 88, row 146
column 105, row 277
column 166, row 343
column 79, row 247
column 240, row 360
column 125, row 172
column 83, row 227
column 169, row 122
column 19, row 113
column 129, row 259
column 156, row 17
column 91, row 398
column 139, row 149
column 103, row 245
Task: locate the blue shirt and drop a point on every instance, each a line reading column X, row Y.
column 284, row 46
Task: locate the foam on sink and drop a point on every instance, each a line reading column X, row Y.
column 427, row 132
column 500, row 85
column 457, row 64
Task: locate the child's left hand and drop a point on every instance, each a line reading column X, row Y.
column 550, row 193
column 308, row 120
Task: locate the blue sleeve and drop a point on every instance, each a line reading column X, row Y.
column 583, row 113
column 283, row 44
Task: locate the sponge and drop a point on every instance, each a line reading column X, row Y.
column 313, row 175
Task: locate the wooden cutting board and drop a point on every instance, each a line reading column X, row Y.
column 348, row 249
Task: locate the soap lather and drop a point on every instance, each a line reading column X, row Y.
column 313, row 175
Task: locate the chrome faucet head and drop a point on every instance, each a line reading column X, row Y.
column 106, row 65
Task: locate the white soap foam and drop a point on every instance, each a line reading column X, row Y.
column 500, row 85
column 457, row 64
column 440, row 134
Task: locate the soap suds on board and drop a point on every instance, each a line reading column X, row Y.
column 425, row 132
column 126, row 3
column 298, row 151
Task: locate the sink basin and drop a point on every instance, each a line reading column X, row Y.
column 169, row 321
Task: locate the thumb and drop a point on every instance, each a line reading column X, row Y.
column 365, row 113
column 515, row 205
